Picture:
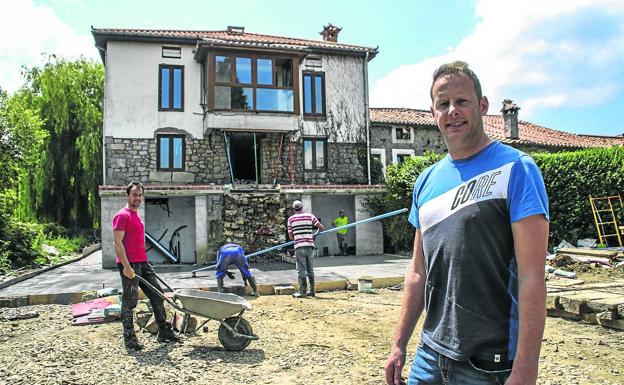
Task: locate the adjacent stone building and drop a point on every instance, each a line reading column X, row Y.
column 400, row 132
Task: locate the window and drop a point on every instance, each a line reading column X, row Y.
column 171, row 52
column 401, row 158
column 171, row 88
column 314, row 94
column 253, row 83
column 315, row 154
column 399, row 155
column 171, row 152
column 380, row 153
column 403, row 133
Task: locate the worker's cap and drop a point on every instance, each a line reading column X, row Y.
column 340, row 211
column 297, row 205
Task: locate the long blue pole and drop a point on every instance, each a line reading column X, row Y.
column 329, row 231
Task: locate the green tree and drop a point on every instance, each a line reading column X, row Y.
column 68, row 96
column 21, row 139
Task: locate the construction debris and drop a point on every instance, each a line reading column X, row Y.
column 599, row 303
column 14, row 316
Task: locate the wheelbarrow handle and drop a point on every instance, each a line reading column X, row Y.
column 163, row 282
column 159, row 293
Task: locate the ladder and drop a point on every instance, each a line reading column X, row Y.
column 604, row 210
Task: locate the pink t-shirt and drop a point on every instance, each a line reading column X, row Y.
column 131, row 224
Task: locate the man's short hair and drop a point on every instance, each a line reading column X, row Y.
column 453, row 69
column 132, row 185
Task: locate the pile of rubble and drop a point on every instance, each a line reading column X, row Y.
column 600, row 302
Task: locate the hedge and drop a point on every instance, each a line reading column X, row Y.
column 570, row 178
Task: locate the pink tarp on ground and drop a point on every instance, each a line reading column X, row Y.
column 81, row 311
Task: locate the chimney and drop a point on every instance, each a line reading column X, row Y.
column 510, row 116
column 330, row 32
column 234, row 30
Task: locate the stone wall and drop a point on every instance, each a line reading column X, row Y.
column 135, row 159
column 255, row 221
column 426, row 138
column 129, row 159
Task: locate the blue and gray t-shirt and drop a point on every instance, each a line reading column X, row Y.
column 464, row 209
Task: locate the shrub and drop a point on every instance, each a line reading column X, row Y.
column 398, row 233
column 21, row 243
column 570, row 178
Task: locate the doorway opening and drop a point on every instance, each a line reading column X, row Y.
column 245, row 157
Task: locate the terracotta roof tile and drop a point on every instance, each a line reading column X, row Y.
column 227, row 38
column 530, row 134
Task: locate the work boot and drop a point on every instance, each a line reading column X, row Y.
column 220, row 287
column 167, row 335
column 132, row 343
column 302, row 289
column 311, row 292
column 254, row 288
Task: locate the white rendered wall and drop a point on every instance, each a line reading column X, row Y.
column 344, row 99
column 131, row 91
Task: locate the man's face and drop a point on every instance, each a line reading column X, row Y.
column 135, row 197
column 457, row 110
column 341, row 213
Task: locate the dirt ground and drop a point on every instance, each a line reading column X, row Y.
column 338, row 338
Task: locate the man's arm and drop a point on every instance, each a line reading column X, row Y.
column 118, row 236
column 530, row 236
column 320, row 226
column 413, row 303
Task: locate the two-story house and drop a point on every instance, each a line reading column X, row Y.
column 226, row 129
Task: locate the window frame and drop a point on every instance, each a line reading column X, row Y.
column 314, row 163
column 213, row 83
column 170, row 137
column 410, row 131
column 171, row 52
column 401, row 151
column 171, row 68
column 382, row 157
column 313, row 75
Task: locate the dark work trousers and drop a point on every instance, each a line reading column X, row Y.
column 130, row 296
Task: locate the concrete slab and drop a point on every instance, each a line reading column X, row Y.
column 65, row 284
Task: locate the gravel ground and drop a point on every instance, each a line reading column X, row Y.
column 337, row 338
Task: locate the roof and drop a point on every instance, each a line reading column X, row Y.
column 529, row 133
column 225, row 38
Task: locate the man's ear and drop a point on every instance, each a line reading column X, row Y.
column 484, row 104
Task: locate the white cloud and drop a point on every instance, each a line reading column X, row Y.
column 542, row 54
column 28, row 31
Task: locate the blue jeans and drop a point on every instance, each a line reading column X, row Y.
column 430, row 367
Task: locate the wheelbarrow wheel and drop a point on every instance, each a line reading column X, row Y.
column 229, row 340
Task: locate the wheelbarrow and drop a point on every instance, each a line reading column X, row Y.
column 235, row 332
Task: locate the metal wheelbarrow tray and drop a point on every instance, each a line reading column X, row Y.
column 235, row 332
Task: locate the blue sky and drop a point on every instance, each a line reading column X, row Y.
column 560, row 61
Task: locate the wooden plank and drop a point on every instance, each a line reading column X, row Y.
column 563, row 314
column 604, row 285
column 563, row 282
column 552, row 301
column 576, row 302
column 588, row 252
column 606, row 304
column 615, row 324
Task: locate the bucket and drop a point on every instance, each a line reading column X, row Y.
column 365, row 284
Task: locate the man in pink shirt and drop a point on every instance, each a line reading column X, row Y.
column 301, row 229
column 131, row 258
